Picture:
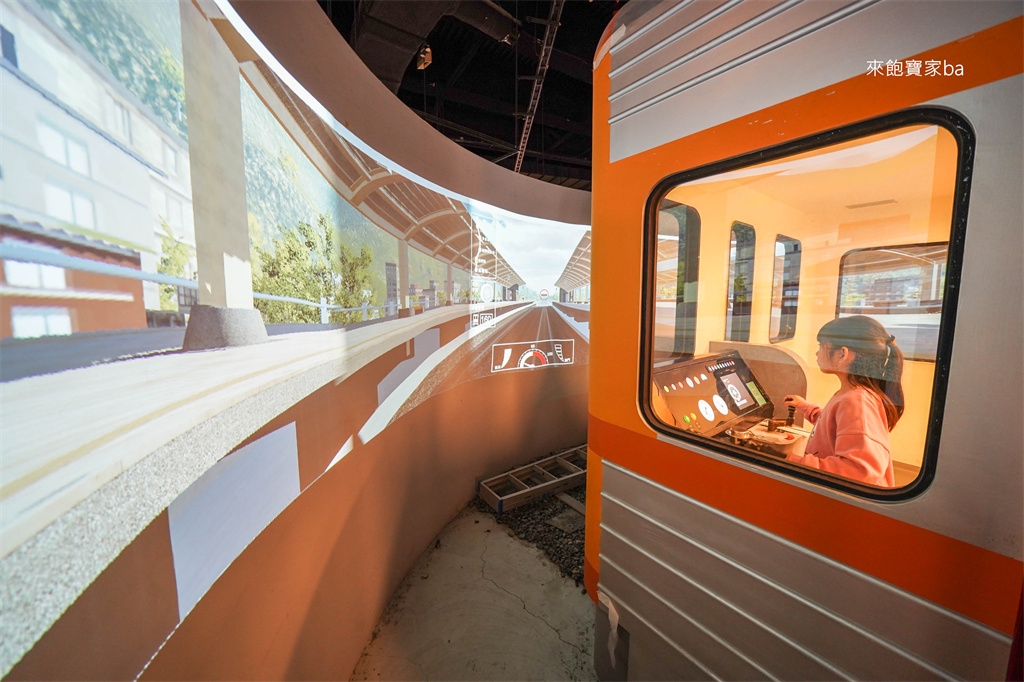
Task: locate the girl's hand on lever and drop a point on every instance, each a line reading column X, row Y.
column 794, row 401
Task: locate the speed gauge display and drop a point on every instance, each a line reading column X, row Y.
column 532, row 358
column 531, row 354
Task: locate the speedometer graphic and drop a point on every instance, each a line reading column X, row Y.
column 506, row 357
column 532, row 358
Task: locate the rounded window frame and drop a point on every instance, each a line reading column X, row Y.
column 964, row 136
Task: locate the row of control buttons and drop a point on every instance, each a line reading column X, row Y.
column 691, row 382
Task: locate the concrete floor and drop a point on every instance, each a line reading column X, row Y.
column 482, row 605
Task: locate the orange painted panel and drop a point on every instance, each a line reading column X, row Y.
column 972, row 581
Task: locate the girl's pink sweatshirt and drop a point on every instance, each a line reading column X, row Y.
column 850, row 438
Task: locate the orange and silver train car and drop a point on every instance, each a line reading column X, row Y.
column 761, row 169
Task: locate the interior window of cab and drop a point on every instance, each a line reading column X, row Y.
column 740, row 282
column 812, row 351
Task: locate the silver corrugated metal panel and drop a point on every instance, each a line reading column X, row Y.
column 728, row 35
column 705, row 42
column 741, row 602
column 746, row 56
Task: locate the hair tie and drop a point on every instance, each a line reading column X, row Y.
column 888, row 353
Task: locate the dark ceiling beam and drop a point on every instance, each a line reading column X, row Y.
column 563, row 62
column 562, row 174
column 532, row 153
column 495, row 106
column 559, row 142
column 464, row 62
column 493, row 142
column 533, row 167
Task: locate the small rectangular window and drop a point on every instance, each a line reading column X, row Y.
column 901, row 287
column 118, row 119
column 78, row 157
column 677, row 266
column 53, row 144
column 60, row 148
column 34, row 275
column 740, row 282
column 170, row 159
column 59, row 203
column 19, row 274
column 785, row 288
column 29, row 323
column 9, row 46
column 69, row 206
column 85, row 214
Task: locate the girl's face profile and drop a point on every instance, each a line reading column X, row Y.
column 822, row 356
column 832, row 360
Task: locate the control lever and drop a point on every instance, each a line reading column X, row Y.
column 774, row 424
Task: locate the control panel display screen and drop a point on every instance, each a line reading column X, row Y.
column 741, row 397
column 710, row 394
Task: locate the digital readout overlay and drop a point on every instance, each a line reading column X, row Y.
column 531, row 354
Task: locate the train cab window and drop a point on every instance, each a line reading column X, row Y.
column 785, row 288
column 677, row 265
column 900, row 286
column 827, row 364
column 740, row 282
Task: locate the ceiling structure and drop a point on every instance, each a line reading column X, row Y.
column 487, row 60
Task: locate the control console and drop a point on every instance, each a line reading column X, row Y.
column 718, row 396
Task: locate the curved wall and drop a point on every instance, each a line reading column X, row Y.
column 301, row 38
column 301, row 600
column 247, row 512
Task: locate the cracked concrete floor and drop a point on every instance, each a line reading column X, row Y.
column 482, row 605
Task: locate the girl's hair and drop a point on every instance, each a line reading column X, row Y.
column 877, row 360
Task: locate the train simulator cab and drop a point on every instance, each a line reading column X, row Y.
column 780, row 224
column 747, row 259
column 718, row 396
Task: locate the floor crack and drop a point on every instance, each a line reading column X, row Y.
column 483, row 567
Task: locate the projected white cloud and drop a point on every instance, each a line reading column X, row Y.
column 536, row 249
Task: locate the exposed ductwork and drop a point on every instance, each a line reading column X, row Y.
column 387, row 36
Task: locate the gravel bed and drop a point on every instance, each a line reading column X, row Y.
column 529, row 523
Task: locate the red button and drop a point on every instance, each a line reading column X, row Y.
column 789, row 437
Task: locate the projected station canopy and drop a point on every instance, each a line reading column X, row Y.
column 435, row 224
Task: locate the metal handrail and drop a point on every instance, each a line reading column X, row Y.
column 31, row 253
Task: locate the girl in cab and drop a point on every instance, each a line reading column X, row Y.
column 850, row 437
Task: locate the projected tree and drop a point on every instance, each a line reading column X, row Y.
column 307, row 263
